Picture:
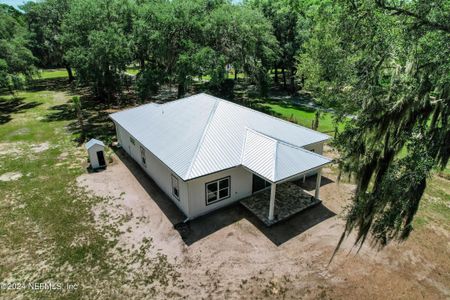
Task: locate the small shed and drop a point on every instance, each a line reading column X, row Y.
column 96, row 152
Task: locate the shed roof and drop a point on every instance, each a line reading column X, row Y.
column 202, row 134
column 93, row 142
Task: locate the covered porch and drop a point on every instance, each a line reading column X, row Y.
column 278, row 164
column 281, row 201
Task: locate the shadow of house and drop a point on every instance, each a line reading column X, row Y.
column 201, row 227
column 14, row 106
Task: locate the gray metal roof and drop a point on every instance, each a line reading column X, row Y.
column 202, row 134
column 275, row 160
column 93, row 142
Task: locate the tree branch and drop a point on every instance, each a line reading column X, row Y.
column 422, row 20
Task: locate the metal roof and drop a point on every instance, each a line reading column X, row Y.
column 275, row 160
column 93, row 142
column 202, row 134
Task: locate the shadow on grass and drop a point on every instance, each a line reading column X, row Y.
column 95, row 111
column 96, row 122
column 199, row 228
column 50, row 84
column 13, row 106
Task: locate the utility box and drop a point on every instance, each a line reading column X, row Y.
column 96, row 152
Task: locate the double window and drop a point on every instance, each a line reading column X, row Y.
column 217, row 190
column 175, row 188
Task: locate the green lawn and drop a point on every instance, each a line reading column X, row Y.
column 47, row 227
column 301, row 115
column 53, row 73
column 133, row 71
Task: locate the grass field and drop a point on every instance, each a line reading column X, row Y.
column 48, row 233
column 133, row 71
column 301, row 115
column 47, row 228
column 53, row 73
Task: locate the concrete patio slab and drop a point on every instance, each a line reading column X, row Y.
column 290, row 199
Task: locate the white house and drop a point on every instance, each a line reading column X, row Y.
column 205, row 152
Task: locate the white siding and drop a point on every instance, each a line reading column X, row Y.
column 93, row 155
column 158, row 171
column 316, row 148
column 241, row 187
column 192, row 193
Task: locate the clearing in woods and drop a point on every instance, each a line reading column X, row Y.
column 110, row 234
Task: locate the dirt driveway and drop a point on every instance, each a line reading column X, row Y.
column 230, row 255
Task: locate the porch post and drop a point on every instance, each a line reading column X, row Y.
column 319, row 177
column 272, row 200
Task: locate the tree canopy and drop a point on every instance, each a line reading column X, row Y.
column 388, row 65
column 16, row 59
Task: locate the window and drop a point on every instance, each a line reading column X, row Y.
column 132, row 140
column 217, row 190
column 143, row 156
column 175, row 188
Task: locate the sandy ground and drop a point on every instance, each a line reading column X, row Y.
column 229, row 254
column 10, row 176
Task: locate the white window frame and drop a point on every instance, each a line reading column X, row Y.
column 218, row 190
column 175, row 186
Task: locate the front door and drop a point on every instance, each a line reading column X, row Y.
column 101, row 158
column 258, row 184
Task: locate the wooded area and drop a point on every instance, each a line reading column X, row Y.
column 383, row 62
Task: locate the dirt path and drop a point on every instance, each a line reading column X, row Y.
column 227, row 255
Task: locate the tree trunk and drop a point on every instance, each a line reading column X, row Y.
column 142, row 64
column 316, row 120
column 275, row 78
column 235, row 74
column 181, row 89
column 69, row 72
column 284, row 77
column 292, row 87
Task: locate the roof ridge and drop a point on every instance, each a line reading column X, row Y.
column 275, row 154
column 284, row 142
column 276, row 118
column 197, row 148
column 277, row 142
column 153, row 103
column 177, row 100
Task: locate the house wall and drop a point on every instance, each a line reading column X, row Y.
column 158, row 171
column 93, row 155
column 192, row 200
column 240, row 185
column 317, row 148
